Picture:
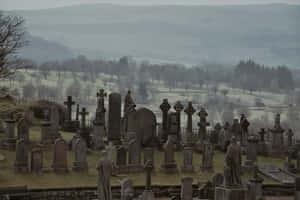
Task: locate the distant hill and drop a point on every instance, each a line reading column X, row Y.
column 41, row 50
column 269, row 34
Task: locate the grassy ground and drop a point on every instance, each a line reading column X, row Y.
column 73, row 179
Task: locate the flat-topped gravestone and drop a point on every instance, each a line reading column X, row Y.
column 54, row 118
column 277, row 136
column 36, row 160
column 187, row 160
column 207, row 157
column 80, row 159
column 21, row 162
column 23, row 130
column 186, row 188
column 114, row 118
column 252, row 147
column 60, row 163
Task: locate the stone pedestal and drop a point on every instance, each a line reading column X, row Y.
column 71, row 126
column 256, row 191
column 251, row 151
column 187, row 160
column 10, row 139
column 147, row 195
column 228, row 193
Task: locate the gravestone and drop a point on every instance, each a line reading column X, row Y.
column 110, row 152
column 252, row 147
column 143, row 122
column 186, row 188
column 10, row 139
column 207, row 157
column 121, row 157
column 60, row 163
column 69, row 124
column 178, row 107
column 148, row 193
column 134, row 153
column 190, row 110
column 23, row 130
column 277, row 136
column 77, row 113
column 244, row 129
column 21, row 162
column 72, row 142
column 69, row 103
column 289, row 135
column 169, row 165
column 84, row 131
column 165, row 107
column 127, row 190
column 297, row 188
column 129, row 106
column 256, row 191
column 226, row 136
column 202, row 132
column 104, row 169
column 80, row 159
column 54, row 118
column 262, row 146
column 214, row 137
column 46, row 137
column 98, row 136
column 36, row 160
column 114, row 118
column 2, row 129
column 149, row 155
column 187, row 160
column 100, row 111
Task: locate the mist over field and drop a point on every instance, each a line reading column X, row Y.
column 269, row 34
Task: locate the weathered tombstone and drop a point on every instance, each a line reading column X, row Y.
column 149, row 155
column 214, row 137
column 100, row 111
column 187, row 160
column 127, row 190
column 190, row 110
column 23, row 130
column 121, row 160
column 60, row 163
column 54, row 118
column 169, row 165
column 277, row 136
column 21, row 162
column 110, row 151
column 10, row 138
column 251, row 156
column 226, row 136
column 165, row 107
column 186, row 188
column 232, row 188
column 114, row 118
column 262, row 146
column 2, row 129
column 69, row 103
column 36, row 160
column 104, row 169
column 80, row 159
column 98, row 135
column 297, row 188
column 46, row 137
column 178, row 107
column 244, row 127
column 84, row 131
column 202, row 132
column 217, row 179
column 173, row 128
column 148, row 194
column 207, row 157
column 256, row 191
column 143, row 122
column 134, row 153
column 289, row 135
column 129, row 106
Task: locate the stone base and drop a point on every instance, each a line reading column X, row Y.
column 187, row 169
column 169, row 168
column 228, row 193
column 147, row 195
column 71, row 126
column 80, row 166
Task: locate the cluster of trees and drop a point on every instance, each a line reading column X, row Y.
column 251, row 76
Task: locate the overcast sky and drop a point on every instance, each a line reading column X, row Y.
column 41, row 4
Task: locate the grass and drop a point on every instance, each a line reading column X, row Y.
column 73, row 179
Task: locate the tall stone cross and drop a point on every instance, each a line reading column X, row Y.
column 83, row 114
column 165, row 107
column 262, row 134
column 101, row 95
column 203, row 123
column 190, row 110
column 69, row 104
column 178, row 107
column 148, row 168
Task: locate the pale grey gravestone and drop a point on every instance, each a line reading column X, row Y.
column 60, row 162
column 207, row 157
column 104, row 169
column 187, row 160
column 98, row 136
column 36, row 160
column 165, row 107
column 80, row 158
column 252, row 147
column 46, row 137
column 23, row 130
column 127, row 190
column 110, row 150
column 21, row 162
column 114, row 118
column 186, row 188
column 169, row 165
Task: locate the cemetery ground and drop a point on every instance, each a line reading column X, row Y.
column 74, row 179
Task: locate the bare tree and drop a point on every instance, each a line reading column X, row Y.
column 11, row 40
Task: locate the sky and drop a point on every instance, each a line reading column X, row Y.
column 44, row 4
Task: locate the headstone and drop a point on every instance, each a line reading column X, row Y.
column 72, row 142
column 60, row 163
column 173, row 128
column 114, row 118
column 77, row 113
column 165, row 107
column 127, row 190
column 69, row 104
column 186, row 188
column 149, row 155
column 10, row 138
column 104, row 169
column 129, row 106
column 178, row 107
column 98, row 136
column 202, row 133
column 190, row 110
column 297, row 188
column 110, row 151
column 169, row 165
column 244, row 127
column 100, row 111
column 256, row 191
column 121, row 157
column 148, row 194
column 2, row 129
column 84, row 131
column 46, row 137
column 262, row 146
column 21, row 162
column 214, row 137
column 54, row 118
column 277, row 136
column 236, row 129
column 289, row 135
column 188, row 166
column 80, row 159
column 226, row 136
column 251, row 156
column 36, row 160
column 134, row 153
column 23, row 130
column 207, row 157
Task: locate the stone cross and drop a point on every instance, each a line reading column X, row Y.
column 101, row 94
column 165, row 107
column 69, row 104
column 77, row 112
column 203, row 123
column 83, row 114
column 178, row 107
column 190, row 110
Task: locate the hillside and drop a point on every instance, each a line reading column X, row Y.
column 185, row 34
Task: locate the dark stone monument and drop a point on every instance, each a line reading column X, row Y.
column 190, row 110
column 202, row 133
column 23, row 130
column 21, row 162
column 262, row 146
column 121, row 160
column 236, row 129
column 84, row 132
column 134, row 154
column 169, row 165
column 114, row 118
column 2, row 129
column 214, row 137
column 252, row 147
column 188, row 166
column 129, row 106
column 289, row 135
column 69, row 124
column 244, row 127
column 207, row 157
column 165, row 107
column 10, row 139
column 277, row 136
column 69, row 103
column 186, row 188
column 36, row 160
column 46, row 137
column 297, row 188
column 178, row 107
column 80, row 159
column 60, row 163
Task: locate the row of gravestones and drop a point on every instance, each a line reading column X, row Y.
column 59, row 164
